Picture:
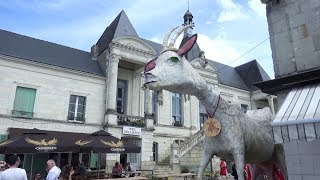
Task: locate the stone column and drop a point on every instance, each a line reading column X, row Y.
column 112, row 77
column 148, row 108
column 174, row 159
column 271, row 105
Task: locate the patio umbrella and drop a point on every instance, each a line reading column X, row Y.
column 38, row 141
column 104, row 142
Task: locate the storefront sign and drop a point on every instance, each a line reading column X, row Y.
column 131, row 130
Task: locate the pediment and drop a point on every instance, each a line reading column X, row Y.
column 210, row 67
column 135, row 43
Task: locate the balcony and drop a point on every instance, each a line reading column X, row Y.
column 80, row 119
column 22, row 114
column 135, row 121
column 177, row 124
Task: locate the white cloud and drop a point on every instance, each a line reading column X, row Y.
column 226, row 51
column 219, row 48
column 230, row 11
column 257, row 7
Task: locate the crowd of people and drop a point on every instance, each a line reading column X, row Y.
column 10, row 170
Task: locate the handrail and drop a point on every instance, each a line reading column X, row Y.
column 193, row 140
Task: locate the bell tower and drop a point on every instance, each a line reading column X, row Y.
column 188, row 19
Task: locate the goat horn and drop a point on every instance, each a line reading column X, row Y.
column 166, row 38
column 178, row 34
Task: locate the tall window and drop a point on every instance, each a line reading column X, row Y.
column 177, row 109
column 121, row 96
column 154, row 106
column 202, row 115
column 244, row 108
column 155, row 151
column 24, row 102
column 77, row 106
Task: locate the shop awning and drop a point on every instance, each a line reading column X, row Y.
column 299, row 115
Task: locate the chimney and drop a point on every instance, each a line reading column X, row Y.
column 94, row 52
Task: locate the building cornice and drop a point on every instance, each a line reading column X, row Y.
column 288, row 82
column 233, row 89
column 131, row 48
column 27, row 61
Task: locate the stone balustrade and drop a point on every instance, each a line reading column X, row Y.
column 127, row 120
column 190, row 142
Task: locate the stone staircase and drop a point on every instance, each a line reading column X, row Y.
column 189, row 143
column 164, row 166
column 163, row 169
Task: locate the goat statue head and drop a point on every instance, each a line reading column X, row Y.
column 171, row 71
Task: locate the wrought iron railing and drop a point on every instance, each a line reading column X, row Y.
column 177, row 124
column 76, row 119
column 126, row 120
column 24, row 114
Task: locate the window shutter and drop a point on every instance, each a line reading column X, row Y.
column 24, row 101
column 94, row 160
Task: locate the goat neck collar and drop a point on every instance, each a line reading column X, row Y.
column 211, row 115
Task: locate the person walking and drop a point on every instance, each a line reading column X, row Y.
column 53, row 170
column 13, row 172
column 223, row 168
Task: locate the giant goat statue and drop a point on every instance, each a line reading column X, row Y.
column 242, row 139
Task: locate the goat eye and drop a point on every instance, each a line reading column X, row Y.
column 174, row 59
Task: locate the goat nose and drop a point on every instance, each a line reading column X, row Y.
column 150, row 65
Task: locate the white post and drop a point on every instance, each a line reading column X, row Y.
column 270, row 102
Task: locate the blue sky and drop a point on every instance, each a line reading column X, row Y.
column 226, row 29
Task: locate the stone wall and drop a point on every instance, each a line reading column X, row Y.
column 303, row 159
column 294, row 35
column 53, row 90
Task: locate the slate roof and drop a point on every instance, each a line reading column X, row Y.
column 36, row 50
column 227, row 75
column 120, row 26
column 28, row 48
column 251, row 72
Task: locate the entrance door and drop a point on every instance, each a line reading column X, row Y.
column 135, row 158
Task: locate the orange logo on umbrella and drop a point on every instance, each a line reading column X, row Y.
column 82, row 142
column 112, row 144
column 42, row 142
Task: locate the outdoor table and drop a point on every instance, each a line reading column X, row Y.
column 184, row 175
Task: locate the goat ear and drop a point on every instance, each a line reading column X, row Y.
column 188, row 45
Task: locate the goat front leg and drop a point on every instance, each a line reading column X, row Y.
column 206, row 157
column 239, row 163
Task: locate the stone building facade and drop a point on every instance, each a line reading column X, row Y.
column 57, row 88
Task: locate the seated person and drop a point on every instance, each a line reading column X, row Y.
column 117, row 169
column 37, row 176
column 129, row 168
column 82, row 169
